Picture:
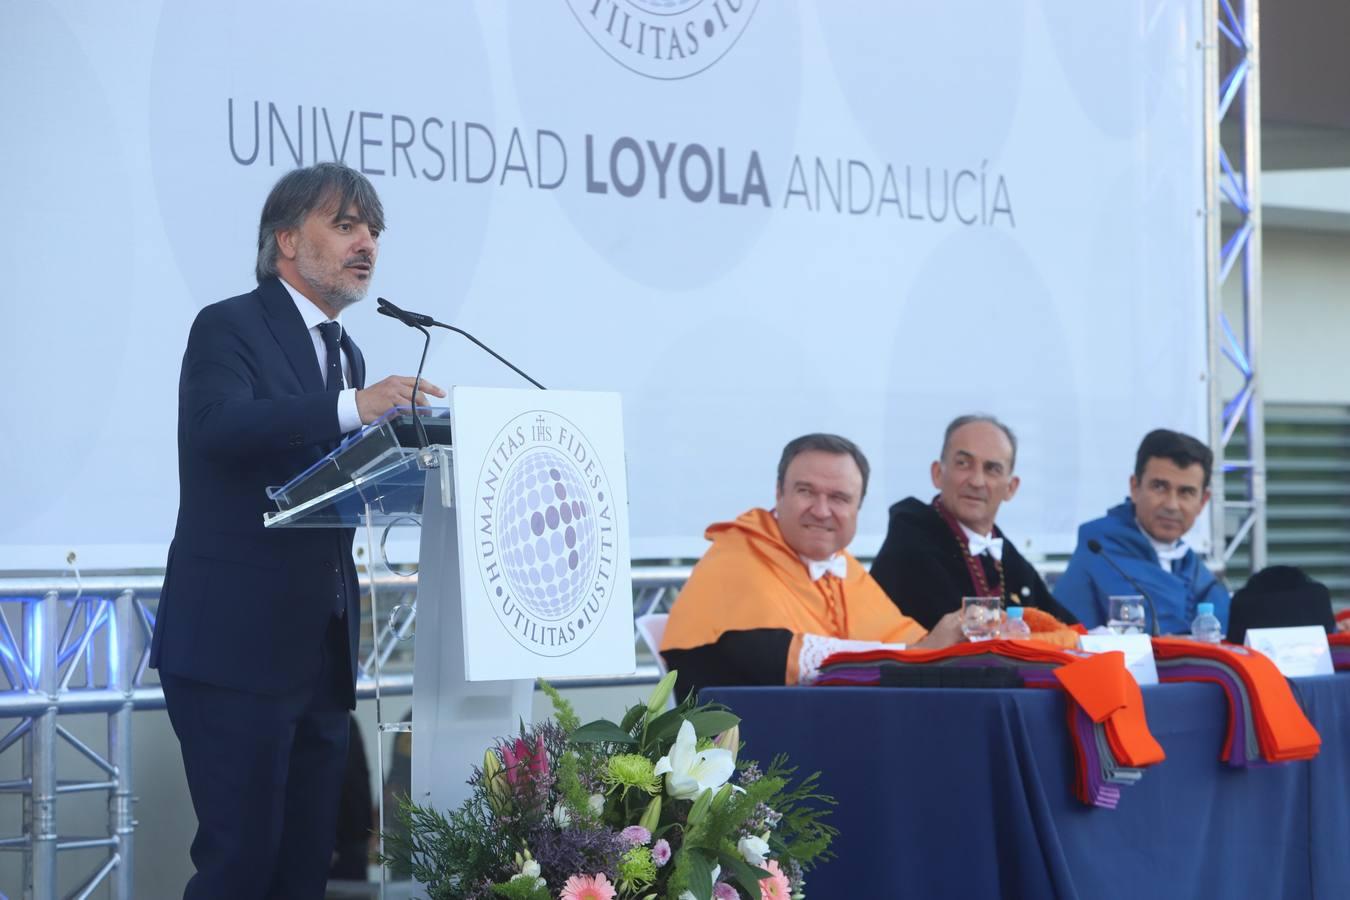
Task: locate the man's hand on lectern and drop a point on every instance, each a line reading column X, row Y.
column 396, row 390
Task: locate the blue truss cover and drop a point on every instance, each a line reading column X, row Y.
column 71, row 646
column 1236, row 78
column 10, row 648
column 1233, row 351
column 23, row 727
column 1232, row 249
column 1230, row 186
column 1235, row 22
column 1232, row 412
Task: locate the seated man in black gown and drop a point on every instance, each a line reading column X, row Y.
column 935, row 553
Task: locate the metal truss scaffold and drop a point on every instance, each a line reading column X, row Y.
column 80, row 646
column 1233, row 95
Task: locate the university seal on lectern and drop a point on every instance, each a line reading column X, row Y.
column 545, row 538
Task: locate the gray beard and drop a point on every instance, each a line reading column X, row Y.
column 335, row 295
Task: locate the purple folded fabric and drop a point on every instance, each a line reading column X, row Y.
column 852, row 675
column 1246, row 749
column 1102, row 794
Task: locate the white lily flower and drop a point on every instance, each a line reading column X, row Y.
column 754, row 849
column 596, row 804
column 561, row 817
column 690, row 773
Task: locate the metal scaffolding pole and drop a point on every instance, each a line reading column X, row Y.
column 41, row 637
column 1251, row 283
column 1233, row 94
column 121, row 676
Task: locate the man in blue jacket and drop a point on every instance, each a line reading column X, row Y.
column 1169, row 488
column 256, row 635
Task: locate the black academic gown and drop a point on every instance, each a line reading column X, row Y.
column 921, row 568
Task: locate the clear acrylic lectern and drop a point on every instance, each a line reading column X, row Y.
column 398, row 471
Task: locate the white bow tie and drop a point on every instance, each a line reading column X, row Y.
column 991, row 545
column 819, row 568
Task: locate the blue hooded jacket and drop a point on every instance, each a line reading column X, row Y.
column 1086, row 585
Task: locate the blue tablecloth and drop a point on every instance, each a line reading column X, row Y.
column 968, row 793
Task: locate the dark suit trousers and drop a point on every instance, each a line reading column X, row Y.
column 265, row 775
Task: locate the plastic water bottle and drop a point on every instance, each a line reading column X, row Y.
column 1015, row 628
column 1206, row 626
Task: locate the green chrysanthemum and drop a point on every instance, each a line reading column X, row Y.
column 636, row 869
column 631, row 770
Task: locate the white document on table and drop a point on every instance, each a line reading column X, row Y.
column 1297, row 651
column 1138, row 650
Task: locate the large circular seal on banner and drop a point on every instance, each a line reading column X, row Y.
column 665, row 39
column 544, row 546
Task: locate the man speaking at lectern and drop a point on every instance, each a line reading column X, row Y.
column 256, row 635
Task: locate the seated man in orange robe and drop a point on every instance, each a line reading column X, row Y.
column 777, row 592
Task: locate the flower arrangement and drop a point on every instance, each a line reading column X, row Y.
column 654, row 807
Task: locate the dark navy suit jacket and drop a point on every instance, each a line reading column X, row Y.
column 245, row 607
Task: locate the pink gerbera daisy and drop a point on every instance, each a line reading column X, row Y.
column 636, row 835
column 776, row 886
column 591, row 887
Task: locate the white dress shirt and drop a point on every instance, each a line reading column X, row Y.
column 349, row 418
column 1167, row 553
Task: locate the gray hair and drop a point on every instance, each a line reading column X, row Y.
column 302, row 191
column 824, row 443
column 962, row 421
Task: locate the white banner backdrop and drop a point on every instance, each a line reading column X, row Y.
column 753, row 220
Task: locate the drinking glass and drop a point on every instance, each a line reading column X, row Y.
column 981, row 617
column 1127, row 614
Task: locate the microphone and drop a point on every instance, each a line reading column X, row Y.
column 421, row 322
column 411, row 319
column 1096, row 547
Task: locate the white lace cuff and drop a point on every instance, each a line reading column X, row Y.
column 815, row 647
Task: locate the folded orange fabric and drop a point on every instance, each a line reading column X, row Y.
column 1045, row 627
column 1029, row 651
column 1108, row 693
column 1283, row 730
column 1096, row 683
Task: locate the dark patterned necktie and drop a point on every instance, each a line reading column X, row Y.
column 331, row 332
